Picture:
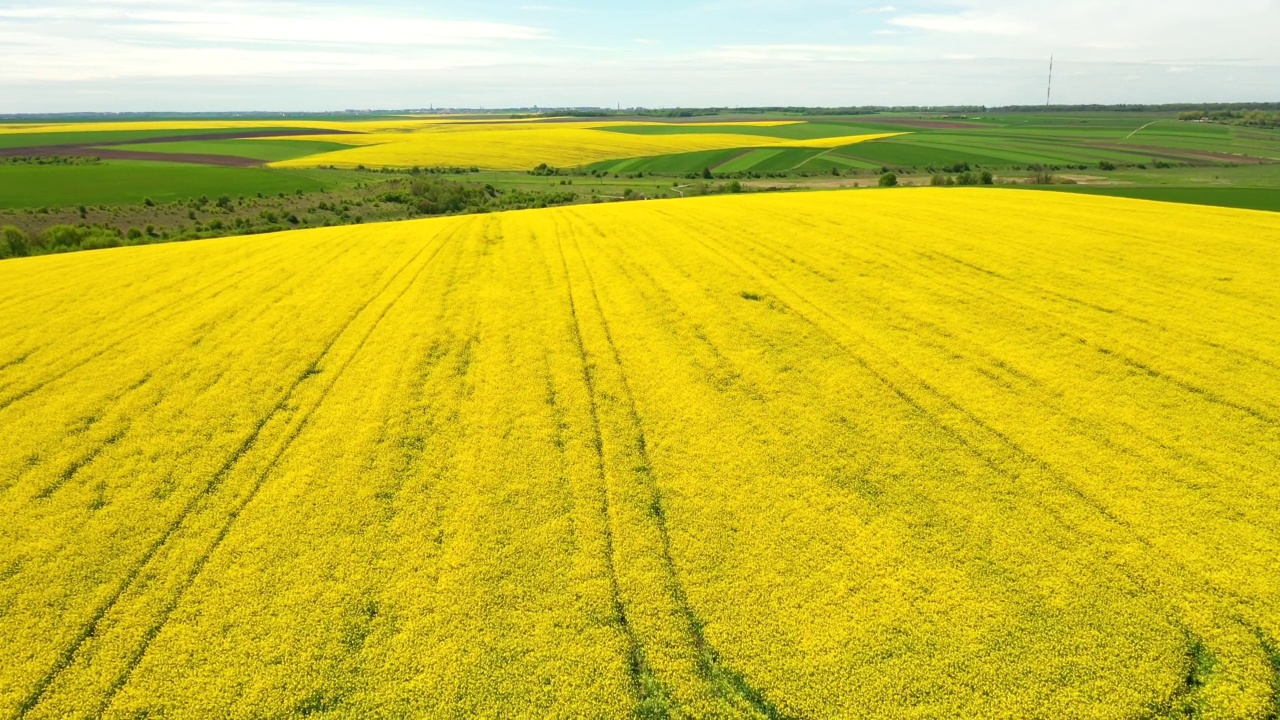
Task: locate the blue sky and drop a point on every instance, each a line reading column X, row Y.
column 117, row 55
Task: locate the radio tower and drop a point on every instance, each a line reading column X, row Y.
column 1048, row 97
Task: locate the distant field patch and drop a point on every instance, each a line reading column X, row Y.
column 748, row 160
column 99, row 137
column 794, row 131
column 906, row 153
column 264, row 150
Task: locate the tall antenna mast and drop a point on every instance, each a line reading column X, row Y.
column 1048, row 98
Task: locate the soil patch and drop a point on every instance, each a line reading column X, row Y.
column 105, row 151
column 1166, row 153
column 1086, row 179
column 909, row 122
column 246, row 135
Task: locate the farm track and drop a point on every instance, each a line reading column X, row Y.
column 642, row 683
column 655, row 459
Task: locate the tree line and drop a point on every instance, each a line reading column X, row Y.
column 1246, row 118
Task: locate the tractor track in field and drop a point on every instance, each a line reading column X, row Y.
column 641, row 677
column 264, row 475
column 1196, row 675
column 90, row 629
column 88, row 457
column 915, row 403
column 711, row 666
column 159, row 314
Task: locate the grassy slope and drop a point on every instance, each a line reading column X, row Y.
column 120, row 183
column 1253, row 187
column 1234, row 197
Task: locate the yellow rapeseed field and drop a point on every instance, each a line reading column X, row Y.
column 923, row 453
column 398, row 123
column 494, row 144
column 515, row 146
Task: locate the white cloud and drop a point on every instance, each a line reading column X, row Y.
column 800, row 53
column 966, row 23
column 233, row 23
column 62, row 41
column 1100, row 30
column 139, row 54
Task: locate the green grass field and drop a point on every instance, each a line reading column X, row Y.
column 1148, row 150
column 1234, row 197
column 795, row 131
column 130, row 182
column 990, row 141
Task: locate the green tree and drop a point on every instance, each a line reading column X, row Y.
column 888, row 180
column 706, row 173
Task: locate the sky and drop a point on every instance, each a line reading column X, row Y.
column 228, row 55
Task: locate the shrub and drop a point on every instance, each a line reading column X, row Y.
column 13, row 242
column 60, row 237
column 99, row 240
column 888, row 180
